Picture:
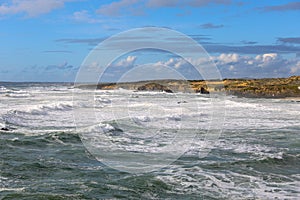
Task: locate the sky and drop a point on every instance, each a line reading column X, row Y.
column 48, row 40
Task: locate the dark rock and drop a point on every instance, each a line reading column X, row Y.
column 154, row 87
column 168, row 91
column 179, row 102
column 204, row 91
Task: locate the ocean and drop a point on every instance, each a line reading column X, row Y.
column 122, row 144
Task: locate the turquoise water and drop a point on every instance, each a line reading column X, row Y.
column 42, row 155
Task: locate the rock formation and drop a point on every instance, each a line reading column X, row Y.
column 254, row 88
column 154, row 87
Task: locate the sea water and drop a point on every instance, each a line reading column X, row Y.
column 48, row 151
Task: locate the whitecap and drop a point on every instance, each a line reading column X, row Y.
column 4, row 90
column 18, row 95
column 43, row 109
column 12, row 189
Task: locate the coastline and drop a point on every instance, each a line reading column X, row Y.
column 279, row 88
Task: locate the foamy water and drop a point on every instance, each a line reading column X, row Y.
column 53, row 145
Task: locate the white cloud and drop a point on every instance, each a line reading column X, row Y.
column 115, row 8
column 228, row 58
column 92, row 67
column 127, row 62
column 137, row 7
column 235, row 65
column 231, row 68
column 177, row 63
column 211, row 26
column 268, row 57
column 31, row 8
column 165, row 3
column 173, row 62
column 296, row 68
column 229, row 65
column 63, row 64
column 193, row 3
column 85, row 17
column 263, row 65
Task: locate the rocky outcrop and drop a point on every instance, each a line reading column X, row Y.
column 202, row 90
column 154, row 87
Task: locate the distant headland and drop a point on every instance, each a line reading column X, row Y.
column 252, row 88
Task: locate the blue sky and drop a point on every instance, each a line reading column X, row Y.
column 47, row 40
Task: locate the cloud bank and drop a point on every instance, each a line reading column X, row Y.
column 135, row 7
column 291, row 40
column 211, row 26
column 31, row 8
column 284, row 7
column 241, row 66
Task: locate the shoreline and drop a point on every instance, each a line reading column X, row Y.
column 296, row 99
column 275, row 88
